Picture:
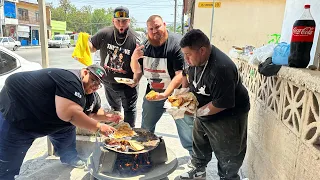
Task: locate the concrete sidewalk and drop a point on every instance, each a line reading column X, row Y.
column 29, row 47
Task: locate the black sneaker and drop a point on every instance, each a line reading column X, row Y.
column 194, row 173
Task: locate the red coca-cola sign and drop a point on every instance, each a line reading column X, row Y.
column 302, row 34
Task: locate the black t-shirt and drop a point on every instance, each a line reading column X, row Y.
column 115, row 55
column 160, row 63
column 28, row 99
column 220, row 84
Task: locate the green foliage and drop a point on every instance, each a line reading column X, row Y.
column 275, row 38
column 85, row 19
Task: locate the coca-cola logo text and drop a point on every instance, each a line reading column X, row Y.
column 303, row 31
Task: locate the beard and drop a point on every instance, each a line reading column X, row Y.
column 159, row 42
column 121, row 35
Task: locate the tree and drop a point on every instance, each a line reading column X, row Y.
column 101, row 18
column 84, row 19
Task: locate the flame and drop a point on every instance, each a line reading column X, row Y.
column 128, row 164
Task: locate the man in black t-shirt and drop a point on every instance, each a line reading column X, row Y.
column 49, row 102
column 161, row 61
column 113, row 42
column 221, row 120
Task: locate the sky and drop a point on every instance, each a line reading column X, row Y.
column 139, row 9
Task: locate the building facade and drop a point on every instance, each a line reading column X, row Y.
column 28, row 28
column 9, row 19
column 237, row 23
column 58, row 27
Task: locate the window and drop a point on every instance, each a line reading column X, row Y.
column 11, row 40
column 23, row 14
column 5, row 40
column 37, row 17
column 7, row 63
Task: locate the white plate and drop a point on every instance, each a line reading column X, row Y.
column 124, row 80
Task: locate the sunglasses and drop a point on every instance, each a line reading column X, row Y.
column 95, row 83
column 121, row 14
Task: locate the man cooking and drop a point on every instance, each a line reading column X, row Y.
column 49, row 102
column 221, row 120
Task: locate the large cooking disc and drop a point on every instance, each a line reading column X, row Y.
column 147, row 138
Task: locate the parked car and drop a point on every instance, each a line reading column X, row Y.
column 11, row 62
column 10, row 43
column 60, row 41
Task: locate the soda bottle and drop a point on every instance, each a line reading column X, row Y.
column 302, row 40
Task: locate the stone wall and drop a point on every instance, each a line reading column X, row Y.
column 284, row 124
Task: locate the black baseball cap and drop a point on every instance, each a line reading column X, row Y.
column 121, row 13
column 98, row 71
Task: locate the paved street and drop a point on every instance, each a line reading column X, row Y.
column 37, row 165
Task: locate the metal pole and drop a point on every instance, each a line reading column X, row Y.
column 211, row 26
column 31, row 35
column 182, row 19
column 1, row 6
column 44, row 50
column 43, row 33
column 175, row 16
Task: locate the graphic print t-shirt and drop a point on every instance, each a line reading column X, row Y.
column 160, row 63
column 220, row 84
column 115, row 58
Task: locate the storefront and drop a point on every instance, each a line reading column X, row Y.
column 23, row 34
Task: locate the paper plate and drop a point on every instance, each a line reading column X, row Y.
column 124, row 80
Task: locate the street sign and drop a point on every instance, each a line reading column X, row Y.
column 209, row 4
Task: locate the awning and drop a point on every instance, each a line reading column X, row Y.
column 23, row 28
column 23, row 31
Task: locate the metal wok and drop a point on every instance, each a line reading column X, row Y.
column 148, row 139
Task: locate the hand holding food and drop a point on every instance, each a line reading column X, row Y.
column 152, row 95
column 187, row 100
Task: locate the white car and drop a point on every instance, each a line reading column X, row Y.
column 9, row 43
column 11, row 63
column 60, row 41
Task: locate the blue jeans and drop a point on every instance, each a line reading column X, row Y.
column 151, row 114
column 14, row 144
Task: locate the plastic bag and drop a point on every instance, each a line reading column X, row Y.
column 261, row 54
column 281, row 54
column 82, row 51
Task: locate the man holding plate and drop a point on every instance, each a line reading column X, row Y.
column 161, row 61
column 116, row 45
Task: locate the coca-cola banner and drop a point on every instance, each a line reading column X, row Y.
column 302, row 34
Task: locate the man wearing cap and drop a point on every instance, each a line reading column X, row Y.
column 49, row 102
column 113, row 41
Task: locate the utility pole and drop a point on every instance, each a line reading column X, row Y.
column 2, row 13
column 182, row 20
column 43, row 33
column 175, row 16
column 44, row 48
column 212, row 16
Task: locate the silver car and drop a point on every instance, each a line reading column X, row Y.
column 9, row 43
